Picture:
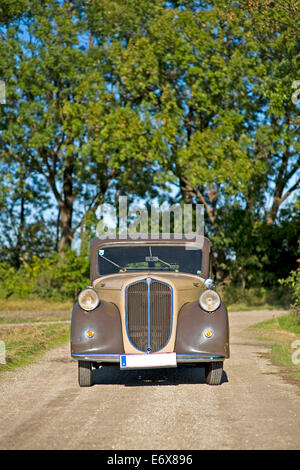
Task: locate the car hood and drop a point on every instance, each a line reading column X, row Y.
column 187, row 287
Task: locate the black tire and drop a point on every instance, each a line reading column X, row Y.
column 213, row 372
column 84, row 373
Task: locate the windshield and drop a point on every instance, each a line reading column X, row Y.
column 151, row 257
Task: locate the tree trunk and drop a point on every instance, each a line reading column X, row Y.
column 83, row 237
column 187, row 191
column 57, row 229
column 18, row 249
column 66, row 211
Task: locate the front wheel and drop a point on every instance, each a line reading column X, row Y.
column 213, row 372
column 85, row 373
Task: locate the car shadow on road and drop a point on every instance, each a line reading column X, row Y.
column 112, row 375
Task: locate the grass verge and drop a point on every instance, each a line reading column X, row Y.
column 33, row 310
column 282, row 335
column 31, row 305
column 23, row 344
column 243, row 307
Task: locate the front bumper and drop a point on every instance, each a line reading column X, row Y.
column 180, row 358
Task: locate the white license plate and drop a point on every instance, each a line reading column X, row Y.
column 141, row 361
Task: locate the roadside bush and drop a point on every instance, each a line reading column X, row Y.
column 54, row 278
column 293, row 281
column 15, row 282
column 62, row 279
column 277, row 297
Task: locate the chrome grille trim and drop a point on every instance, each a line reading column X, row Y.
column 137, row 314
column 149, row 314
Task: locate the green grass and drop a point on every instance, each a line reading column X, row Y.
column 241, row 307
column 289, row 323
column 23, row 344
column 284, row 322
column 281, row 356
column 271, row 324
column 282, row 331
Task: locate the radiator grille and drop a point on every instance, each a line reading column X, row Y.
column 149, row 314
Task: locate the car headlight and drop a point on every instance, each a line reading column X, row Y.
column 209, row 300
column 88, row 299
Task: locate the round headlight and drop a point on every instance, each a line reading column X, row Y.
column 88, row 299
column 209, row 300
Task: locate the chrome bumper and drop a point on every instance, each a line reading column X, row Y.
column 180, row 358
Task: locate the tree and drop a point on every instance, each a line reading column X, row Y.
column 206, row 76
column 11, row 10
column 114, row 98
column 61, row 117
column 183, row 65
column 25, row 231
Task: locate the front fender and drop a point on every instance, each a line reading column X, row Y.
column 192, row 321
column 105, row 322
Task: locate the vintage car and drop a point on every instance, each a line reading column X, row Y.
column 150, row 304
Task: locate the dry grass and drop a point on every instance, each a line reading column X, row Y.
column 24, row 343
column 279, row 334
column 34, row 305
column 35, row 310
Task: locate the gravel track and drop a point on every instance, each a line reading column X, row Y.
column 42, row 406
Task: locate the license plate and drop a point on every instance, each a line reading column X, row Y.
column 143, row 361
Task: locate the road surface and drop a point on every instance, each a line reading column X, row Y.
column 42, row 406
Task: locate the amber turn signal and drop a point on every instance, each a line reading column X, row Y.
column 208, row 333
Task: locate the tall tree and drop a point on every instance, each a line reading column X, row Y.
column 61, row 118
column 206, row 73
column 274, row 27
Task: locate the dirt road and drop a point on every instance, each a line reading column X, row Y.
column 42, row 406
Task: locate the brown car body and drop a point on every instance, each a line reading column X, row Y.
column 113, row 330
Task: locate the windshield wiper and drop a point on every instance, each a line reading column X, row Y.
column 156, row 258
column 122, row 269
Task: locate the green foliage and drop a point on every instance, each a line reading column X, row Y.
column 54, row 277
column 293, row 282
column 63, row 123
column 255, row 253
column 256, row 297
column 112, row 98
column 12, row 9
